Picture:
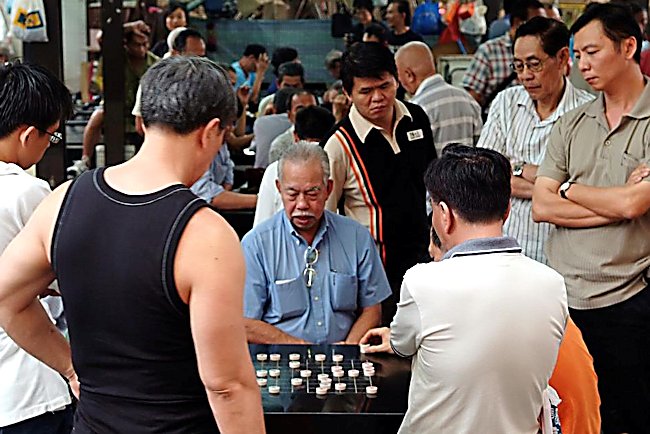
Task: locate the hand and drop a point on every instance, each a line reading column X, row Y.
column 244, row 94
column 381, row 332
column 638, row 174
column 529, row 172
column 262, row 64
column 340, row 107
column 138, row 27
column 73, row 381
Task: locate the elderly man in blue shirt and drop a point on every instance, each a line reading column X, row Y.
column 312, row 276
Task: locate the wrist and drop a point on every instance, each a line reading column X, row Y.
column 564, row 189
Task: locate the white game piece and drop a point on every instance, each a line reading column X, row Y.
column 338, row 374
column 296, row 381
column 369, row 372
column 262, row 373
column 261, row 382
column 321, row 390
column 274, row 372
column 363, row 348
column 326, row 381
column 275, row 357
column 340, row 387
column 276, row 389
column 294, row 356
column 294, row 364
column 353, row 373
column 321, row 377
column 366, row 365
column 336, row 368
column 371, row 390
column 261, row 357
column 337, row 358
column 305, row 373
column 320, row 357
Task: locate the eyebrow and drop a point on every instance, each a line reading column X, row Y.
column 591, row 45
column 374, row 87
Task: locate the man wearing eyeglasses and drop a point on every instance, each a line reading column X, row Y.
column 521, row 118
column 312, row 276
column 33, row 103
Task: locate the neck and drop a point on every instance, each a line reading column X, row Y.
column 388, row 121
column 8, row 150
column 625, row 91
column 468, row 231
column 547, row 106
column 401, row 29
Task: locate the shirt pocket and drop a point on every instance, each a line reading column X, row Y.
column 629, row 163
column 344, row 290
column 290, row 297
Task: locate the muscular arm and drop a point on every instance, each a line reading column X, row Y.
column 548, row 206
column 259, row 332
column 229, row 200
column 522, row 187
column 209, row 269
column 617, row 203
column 370, row 317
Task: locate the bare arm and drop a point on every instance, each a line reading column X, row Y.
column 92, row 132
column 229, row 200
column 548, row 206
column 370, row 317
column 259, row 332
column 522, row 186
column 209, row 269
column 239, row 142
column 262, row 66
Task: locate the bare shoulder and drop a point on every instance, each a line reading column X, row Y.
column 208, row 225
column 42, row 222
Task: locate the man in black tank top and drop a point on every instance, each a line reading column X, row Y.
column 152, row 279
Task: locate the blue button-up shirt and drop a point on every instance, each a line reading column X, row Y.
column 220, row 172
column 349, row 276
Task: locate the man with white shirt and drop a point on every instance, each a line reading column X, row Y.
column 299, row 100
column 34, row 398
column 521, row 118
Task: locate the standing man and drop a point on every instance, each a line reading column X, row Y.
column 379, row 154
column 34, row 398
column 593, row 185
column 490, row 70
column 454, row 115
column 154, row 305
column 521, row 119
column 484, row 324
column 250, row 69
column 299, row 100
column 398, row 17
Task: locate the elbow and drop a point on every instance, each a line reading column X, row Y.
column 539, row 212
column 224, row 390
column 632, row 210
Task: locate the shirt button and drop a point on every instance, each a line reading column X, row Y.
column 319, row 323
column 607, row 142
column 315, row 298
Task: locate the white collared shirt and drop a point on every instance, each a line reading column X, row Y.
column 363, row 126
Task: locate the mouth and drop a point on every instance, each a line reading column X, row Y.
column 302, row 220
column 590, row 79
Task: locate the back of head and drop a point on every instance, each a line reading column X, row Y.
column 332, row 58
column 282, row 99
column 519, row 9
column 291, row 69
column 404, row 8
column 282, row 55
column 313, row 123
column 180, row 41
column 377, row 31
column 31, row 95
column 254, row 50
column 474, row 182
column 417, row 56
column 552, row 33
column 617, row 22
column 182, row 94
column 305, row 153
column 363, row 4
column 366, row 60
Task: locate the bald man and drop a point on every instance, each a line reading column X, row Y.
column 455, row 116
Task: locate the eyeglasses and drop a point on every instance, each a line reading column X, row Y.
column 311, row 256
column 55, row 137
column 533, row 65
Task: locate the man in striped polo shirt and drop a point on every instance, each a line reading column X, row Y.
column 521, row 118
column 378, row 155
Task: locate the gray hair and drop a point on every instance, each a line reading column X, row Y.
column 305, row 152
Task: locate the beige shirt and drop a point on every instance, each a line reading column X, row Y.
column 604, row 265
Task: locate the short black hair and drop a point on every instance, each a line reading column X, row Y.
column 403, row 8
column 300, row 92
column 180, row 43
column 172, row 7
column 474, row 182
column 617, row 21
column 313, row 122
column 363, row 4
column 553, row 34
column 31, row 95
column 292, row 69
column 254, row 50
column 366, row 60
column 282, row 55
column 519, row 9
column 282, row 99
column 185, row 93
column 376, row 30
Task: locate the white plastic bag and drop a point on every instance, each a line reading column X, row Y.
column 28, row 20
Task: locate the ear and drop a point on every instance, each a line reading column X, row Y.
column 330, row 187
column 25, row 133
column 505, row 216
column 447, row 217
column 277, row 185
column 296, row 139
column 213, row 130
column 628, row 47
column 563, row 55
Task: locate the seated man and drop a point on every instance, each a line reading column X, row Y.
column 290, row 74
column 484, row 343
column 299, row 100
column 267, row 128
column 311, row 275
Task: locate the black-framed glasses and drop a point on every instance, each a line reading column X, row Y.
column 533, row 65
column 55, row 137
column 311, row 256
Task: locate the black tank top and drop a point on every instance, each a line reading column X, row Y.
column 132, row 348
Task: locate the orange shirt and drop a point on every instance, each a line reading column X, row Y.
column 575, row 381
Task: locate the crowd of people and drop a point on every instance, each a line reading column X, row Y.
column 498, row 234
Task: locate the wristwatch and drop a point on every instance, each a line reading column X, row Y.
column 518, row 170
column 564, row 188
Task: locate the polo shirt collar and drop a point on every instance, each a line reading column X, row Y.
column 362, row 126
column 10, row 169
column 433, row 81
column 482, row 246
column 320, row 233
column 641, row 109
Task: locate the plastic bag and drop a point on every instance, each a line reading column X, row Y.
column 426, row 19
column 472, row 18
column 28, row 21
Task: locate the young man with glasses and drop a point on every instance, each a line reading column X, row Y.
column 521, row 118
column 33, row 103
column 312, row 276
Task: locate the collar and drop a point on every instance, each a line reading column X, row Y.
column 505, row 40
column 483, row 246
column 524, row 100
column 362, row 126
column 434, row 80
column 10, row 169
column 320, row 233
column 641, row 109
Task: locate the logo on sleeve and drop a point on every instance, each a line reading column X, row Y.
column 415, row 135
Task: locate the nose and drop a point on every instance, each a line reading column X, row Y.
column 377, row 95
column 583, row 64
column 301, row 202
